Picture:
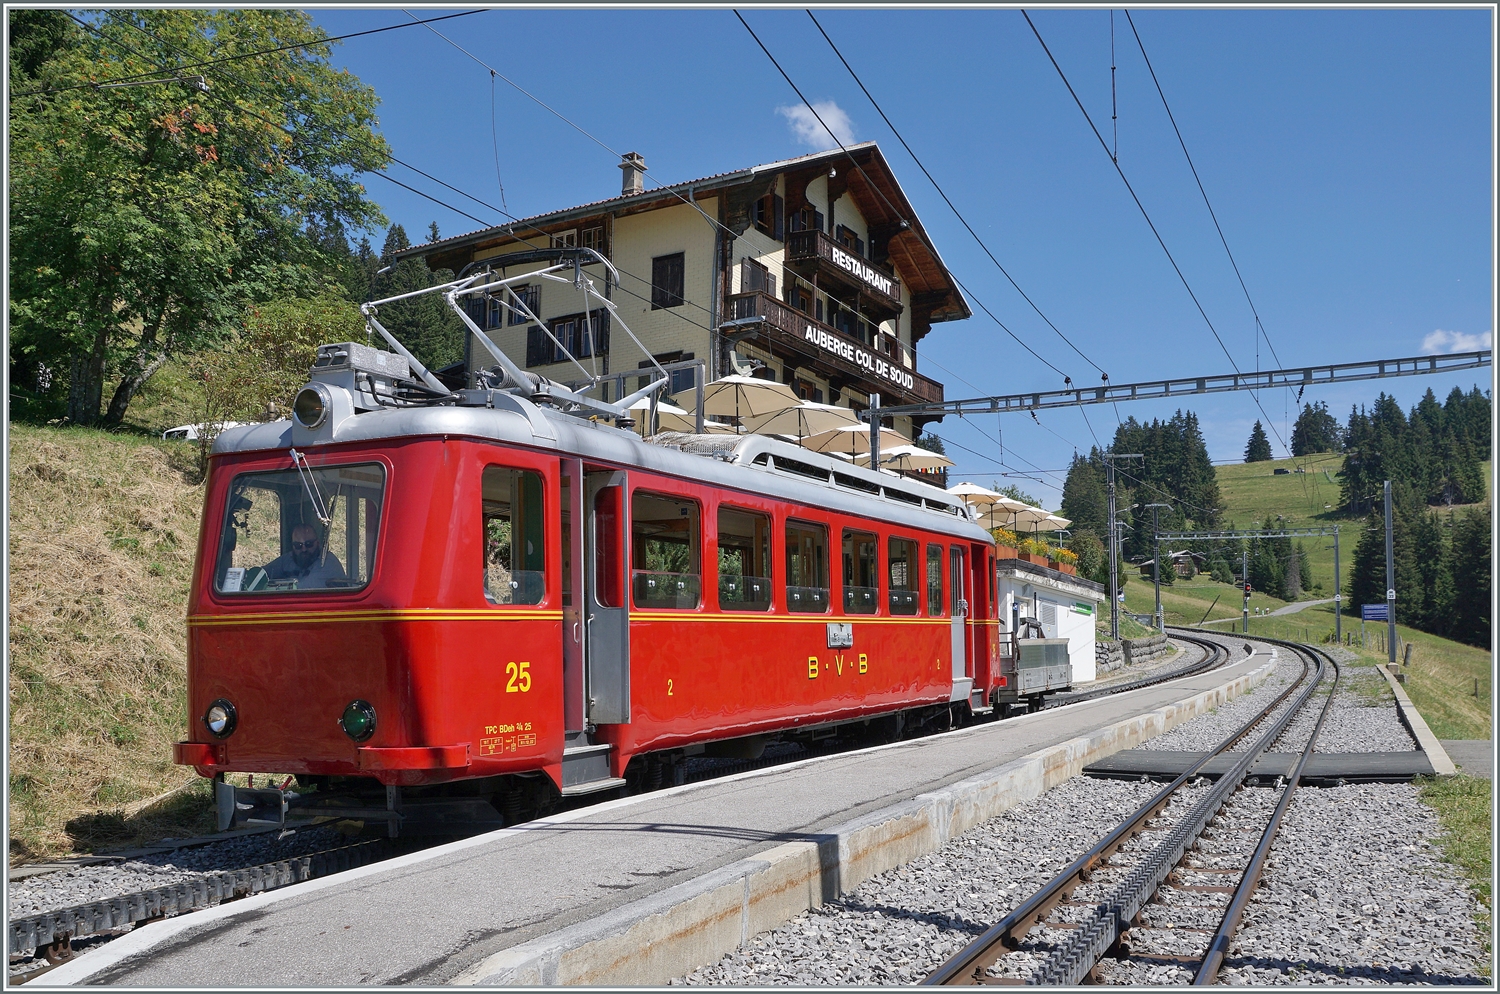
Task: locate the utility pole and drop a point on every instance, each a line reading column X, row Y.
column 1245, row 575
column 1338, row 598
column 1114, row 559
column 1161, row 621
column 1390, row 582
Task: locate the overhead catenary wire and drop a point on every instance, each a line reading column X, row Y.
column 293, row 134
column 962, row 287
column 245, row 55
column 1197, row 179
column 1145, row 214
column 936, row 186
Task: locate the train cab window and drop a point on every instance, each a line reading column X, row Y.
column 861, row 572
column 514, row 561
column 935, row 605
column 744, row 560
column 301, row 530
column 664, row 551
column 806, row 567
column 903, row 573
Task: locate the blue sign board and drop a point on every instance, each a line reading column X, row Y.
column 1373, row 612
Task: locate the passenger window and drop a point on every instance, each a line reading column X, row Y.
column 514, row 560
column 744, row 560
column 664, row 556
column 806, row 567
column 903, row 574
column 861, row 573
column 935, row 581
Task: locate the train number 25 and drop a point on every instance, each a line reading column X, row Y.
column 518, row 677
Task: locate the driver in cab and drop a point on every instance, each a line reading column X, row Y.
column 306, row 563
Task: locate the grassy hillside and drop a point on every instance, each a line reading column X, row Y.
column 101, row 553
column 1306, row 499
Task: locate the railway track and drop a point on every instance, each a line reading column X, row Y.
column 48, row 936
column 1094, row 908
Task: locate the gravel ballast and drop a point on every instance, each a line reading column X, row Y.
column 70, row 888
column 1393, row 913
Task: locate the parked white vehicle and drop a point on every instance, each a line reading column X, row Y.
column 190, row 433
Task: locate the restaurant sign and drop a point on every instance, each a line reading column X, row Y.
column 870, row 363
column 862, row 270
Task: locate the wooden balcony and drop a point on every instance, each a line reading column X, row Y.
column 787, row 332
column 808, row 251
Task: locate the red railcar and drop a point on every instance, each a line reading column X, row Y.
column 491, row 601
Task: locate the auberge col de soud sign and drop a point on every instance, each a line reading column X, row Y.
column 867, row 361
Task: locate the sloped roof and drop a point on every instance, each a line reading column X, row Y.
column 873, row 184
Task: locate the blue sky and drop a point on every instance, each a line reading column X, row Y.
column 1347, row 154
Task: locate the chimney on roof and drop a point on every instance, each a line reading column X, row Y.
column 633, row 165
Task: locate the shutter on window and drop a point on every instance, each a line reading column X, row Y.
column 536, row 347
column 778, row 217
column 818, row 220
column 770, row 284
column 601, row 333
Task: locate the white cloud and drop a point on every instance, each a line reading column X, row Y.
column 807, row 130
column 1455, row 341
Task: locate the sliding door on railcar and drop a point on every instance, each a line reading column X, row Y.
column 606, row 617
column 962, row 587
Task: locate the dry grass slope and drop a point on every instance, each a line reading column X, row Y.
column 102, row 529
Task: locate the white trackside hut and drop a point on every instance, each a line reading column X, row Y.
column 1037, row 601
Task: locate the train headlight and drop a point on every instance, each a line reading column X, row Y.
column 358, row 720
column 220, row 719
column 311, row 406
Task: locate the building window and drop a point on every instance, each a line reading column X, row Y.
column 565, row 239
column 678, row 379
column 531, row 297
column 666, row 281
column 754, row 276
column 847, row 238
column 767, row 213
column 806, row 219
column 583, row 335
column 593, row 238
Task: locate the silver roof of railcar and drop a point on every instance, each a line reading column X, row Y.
column 734, row 462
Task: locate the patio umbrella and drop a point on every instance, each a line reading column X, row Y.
column 670, row 417
column 852, row 439
column 908, row 457
column 1014, row 519
column 742, row 397
column 1055, row 522
column 806, row 418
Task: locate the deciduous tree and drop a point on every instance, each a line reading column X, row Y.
column 145, row 218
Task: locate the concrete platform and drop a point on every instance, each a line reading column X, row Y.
column 636, row 891
column 1323, row 769
column 1476, row 757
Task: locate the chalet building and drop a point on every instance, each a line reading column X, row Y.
column 809, row 271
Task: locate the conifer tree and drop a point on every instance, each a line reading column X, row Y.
column 1469, row 567
column 1084, row 501
column 1258, row 449
column 1315, row 431
column 425, row 324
